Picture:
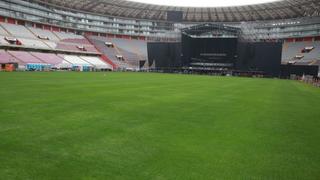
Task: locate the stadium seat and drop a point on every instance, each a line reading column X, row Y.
column 48, row 58
column 5, row 57
column 44, row 33
column 25, row 57
column 97, row 62
column 294, row 50
column 75, row 60
column 33, row 43
column 18, row 30
column 45, row 39
column 132, row 51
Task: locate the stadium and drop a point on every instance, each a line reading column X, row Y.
column 150, row 89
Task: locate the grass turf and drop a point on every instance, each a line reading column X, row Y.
column 157, row 126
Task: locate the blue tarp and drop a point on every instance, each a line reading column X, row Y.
column 38, row 67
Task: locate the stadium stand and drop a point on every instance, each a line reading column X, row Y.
column 25, row 57
column 90, row 27
column 44, row 33
column 5, row 57
column 108, row 51
column 132, row 51
column 32, row 43
column 48, row 58
column 40, row 39
column 75, row 60
column 72, row 38
column 3, row 31
column 295, row 51
column 45, row 39
column 17, row 30
column 96, row 62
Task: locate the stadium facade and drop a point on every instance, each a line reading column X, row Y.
column 277, row 20
column 296, row 23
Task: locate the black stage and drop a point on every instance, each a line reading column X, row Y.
column 216, row 49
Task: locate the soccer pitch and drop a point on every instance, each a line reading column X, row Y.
column 157, row 126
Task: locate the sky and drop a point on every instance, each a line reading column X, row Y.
column 204, row 3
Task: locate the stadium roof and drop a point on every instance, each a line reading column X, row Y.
column 204, row 3
column 283, row 9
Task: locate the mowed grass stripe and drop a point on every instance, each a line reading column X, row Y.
column 157, row 126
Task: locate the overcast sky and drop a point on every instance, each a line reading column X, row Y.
column 204, row 3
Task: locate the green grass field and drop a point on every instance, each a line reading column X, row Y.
column 157, row 126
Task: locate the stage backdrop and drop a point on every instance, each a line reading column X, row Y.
column 260, row 56
column 164, row 55
column 245, row 56
column 208, row 51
